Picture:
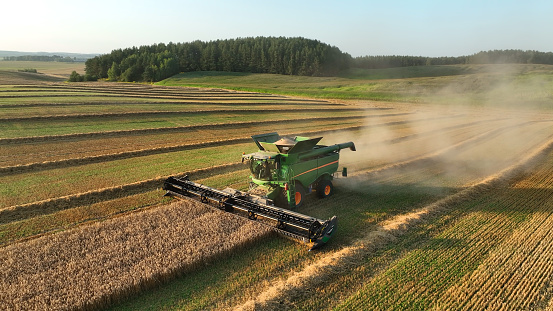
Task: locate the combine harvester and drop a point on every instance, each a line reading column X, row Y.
column 287, row 169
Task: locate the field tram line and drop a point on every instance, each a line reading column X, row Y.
column 298, row 284
column 172, row 113
column 160, row 130
column 33, row 209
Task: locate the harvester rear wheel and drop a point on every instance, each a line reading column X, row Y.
column 300, row 194
column 325, row 188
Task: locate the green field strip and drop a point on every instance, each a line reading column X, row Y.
column 45, row 130
column 122, row 88
column 36, row 166
column 48, row 206
column 31, row 187
column 108, row 90
column 138, row 95
column 6, row 95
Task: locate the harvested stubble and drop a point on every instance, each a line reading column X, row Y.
column 92, row 266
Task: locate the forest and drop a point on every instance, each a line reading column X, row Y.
column 277, row 55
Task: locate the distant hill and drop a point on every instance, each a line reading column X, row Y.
column 78, row 56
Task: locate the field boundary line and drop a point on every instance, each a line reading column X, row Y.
column 297, row 284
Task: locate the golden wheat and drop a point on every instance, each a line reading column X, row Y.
column 92, row 266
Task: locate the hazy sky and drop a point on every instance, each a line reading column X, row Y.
column 385, row 27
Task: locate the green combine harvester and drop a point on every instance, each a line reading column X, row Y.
column 286, row 169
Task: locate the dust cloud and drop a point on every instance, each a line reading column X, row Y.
column 471, row 127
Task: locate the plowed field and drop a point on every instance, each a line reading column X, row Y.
column 445, row 207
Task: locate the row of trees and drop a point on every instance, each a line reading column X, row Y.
column 279, row 55
column 484, row 57
column 291, row 56
column 41, row 58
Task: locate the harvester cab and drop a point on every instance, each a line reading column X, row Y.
column 290, row 168
column 287, row 169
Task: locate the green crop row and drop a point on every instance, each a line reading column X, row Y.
column 78, row 124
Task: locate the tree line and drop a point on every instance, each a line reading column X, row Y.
column 41, row 58
column 278, row 55
column 483, row 57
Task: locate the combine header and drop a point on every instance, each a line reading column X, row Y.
column 286, row 169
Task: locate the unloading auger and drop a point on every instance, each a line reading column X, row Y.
column 287, row 169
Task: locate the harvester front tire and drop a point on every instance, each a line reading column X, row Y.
column 300, row 195
column 325, row 188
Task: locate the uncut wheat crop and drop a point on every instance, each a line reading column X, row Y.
column 92, row 266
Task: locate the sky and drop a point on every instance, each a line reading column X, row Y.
column 386, row 27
